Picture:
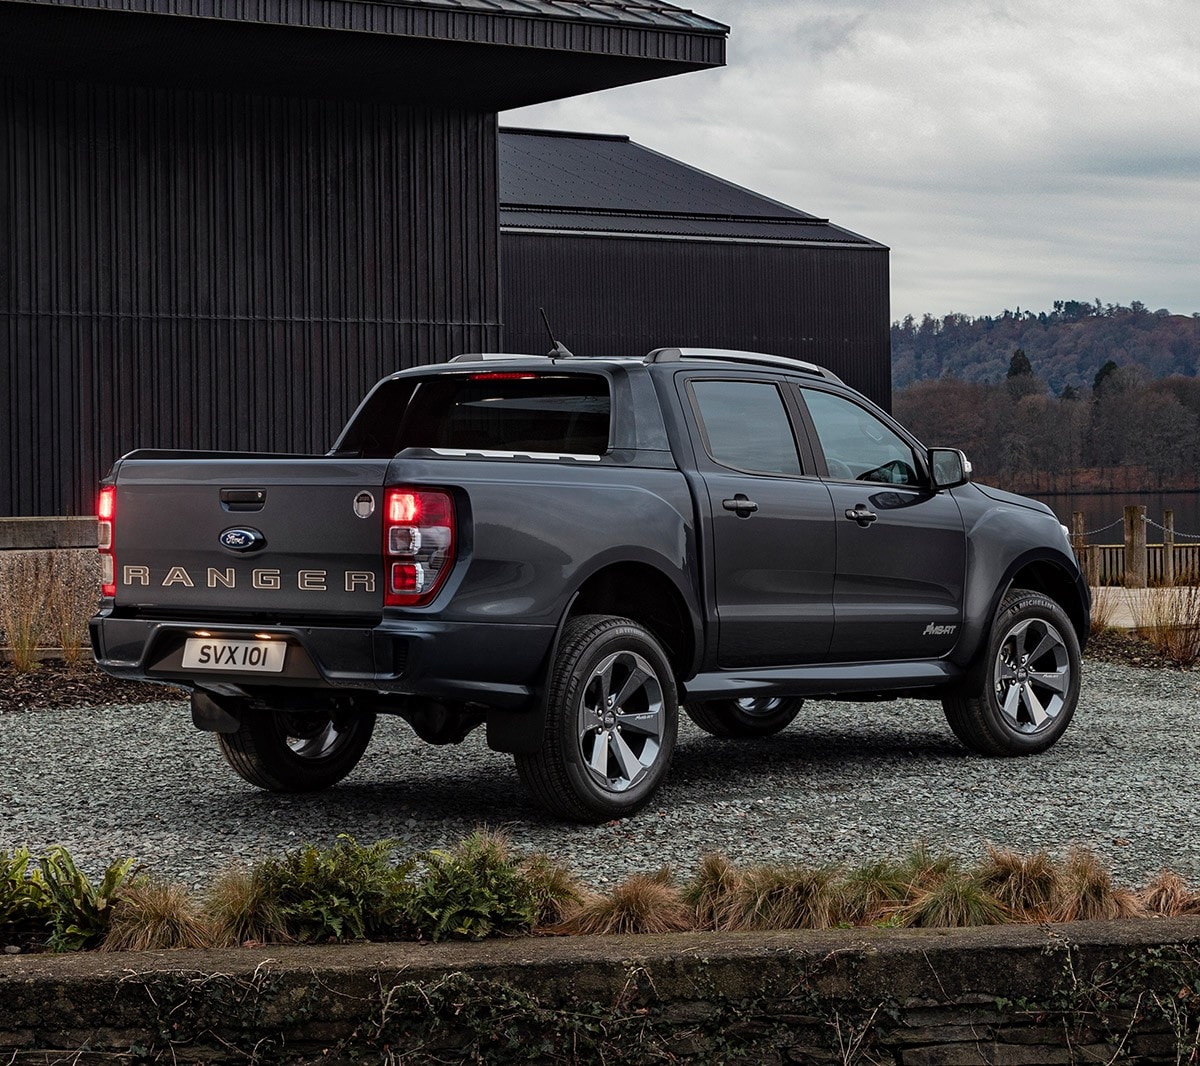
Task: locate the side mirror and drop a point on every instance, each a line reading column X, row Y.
column 950, row 468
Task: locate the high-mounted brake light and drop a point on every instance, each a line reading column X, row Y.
column 106, row 513
column 418, row 545
column 503, row 375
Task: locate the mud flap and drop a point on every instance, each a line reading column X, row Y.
column 211, row 716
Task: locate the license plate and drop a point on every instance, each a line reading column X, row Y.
column 262, row 656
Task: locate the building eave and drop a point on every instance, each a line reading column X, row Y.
column 425, row 53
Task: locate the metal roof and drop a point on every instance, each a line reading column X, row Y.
column 622, row 12
column 552, row 181
column 486, row 55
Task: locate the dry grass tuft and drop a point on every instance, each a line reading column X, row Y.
column 239, row 906
column 1168, row 895
column 1106, row 599
column 712, row 892
column 155, row 915
column 1027, row 885
column 775, row 897
column 1086, row 892
column 640, row 904
column 956, row 899
column 24, row 604
column 1170, row 620
column 47, row 597
column 556, row 892
column 921, row 868
column 875, row 892
column 74, row 596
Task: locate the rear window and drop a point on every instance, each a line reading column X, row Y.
column 497, row 411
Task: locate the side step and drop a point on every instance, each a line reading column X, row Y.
column 823, row 679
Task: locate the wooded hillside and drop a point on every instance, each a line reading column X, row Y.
column 1015, row 431
column 1065, row 347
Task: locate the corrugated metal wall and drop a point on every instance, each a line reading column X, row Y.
column 206, row 270
column 619, row 296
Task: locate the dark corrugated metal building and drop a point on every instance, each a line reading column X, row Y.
column 221, row 220
column 629, row 250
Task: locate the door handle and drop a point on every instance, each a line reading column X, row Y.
column 861, row 515
column 741, row 505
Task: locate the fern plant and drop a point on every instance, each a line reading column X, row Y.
column 472, row 891
column 78, row 910
column 22, row 891
column 347, row 891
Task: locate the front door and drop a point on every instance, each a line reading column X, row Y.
column 901, row 548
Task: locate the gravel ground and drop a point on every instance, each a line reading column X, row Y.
column 844, row 783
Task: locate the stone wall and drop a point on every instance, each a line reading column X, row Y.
column 1090, row 992
column 37, row 533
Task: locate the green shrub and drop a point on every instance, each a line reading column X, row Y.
column 78, row 911
column 349, row 891
column 472, row 891
column 22, row 891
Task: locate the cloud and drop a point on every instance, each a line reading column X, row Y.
column 1009, row 153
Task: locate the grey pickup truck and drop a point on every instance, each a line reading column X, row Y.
column 569, row 552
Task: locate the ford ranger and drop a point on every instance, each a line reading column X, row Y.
column 570, row 551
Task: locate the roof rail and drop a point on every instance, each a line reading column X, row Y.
column 670, row 355
column 479, row 357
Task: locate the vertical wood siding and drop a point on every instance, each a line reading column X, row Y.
column 618, row 296
column 204, row 270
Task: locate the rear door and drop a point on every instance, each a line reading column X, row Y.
column 772, row 542
column 901, row 548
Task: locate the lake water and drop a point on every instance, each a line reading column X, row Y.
column 1100, row 509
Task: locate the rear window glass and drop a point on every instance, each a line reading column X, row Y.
column 746, row 426
column 551, row 413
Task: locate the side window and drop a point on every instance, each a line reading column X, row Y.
column 857, row 445
column 746, row 426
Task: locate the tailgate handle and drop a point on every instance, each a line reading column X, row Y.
column 243, row 499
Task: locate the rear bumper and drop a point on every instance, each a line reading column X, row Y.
column 498, row 665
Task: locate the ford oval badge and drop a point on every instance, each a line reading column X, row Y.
column 242, row 540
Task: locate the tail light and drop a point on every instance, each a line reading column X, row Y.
column 418, row 545
column 106, row 511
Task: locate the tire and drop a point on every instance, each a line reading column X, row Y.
column 297, row 751
column 611, row 722
column 747, row 717
column 1022, row 694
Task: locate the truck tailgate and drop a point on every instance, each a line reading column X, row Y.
column 246, row 536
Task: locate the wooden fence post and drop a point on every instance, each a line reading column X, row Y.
column 1078, row 540
column 1087, row 554
column 1135, row 547
column 1168, row 547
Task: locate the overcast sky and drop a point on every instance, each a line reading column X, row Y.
column 1009, row 153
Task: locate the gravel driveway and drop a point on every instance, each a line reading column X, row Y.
column 845, row 782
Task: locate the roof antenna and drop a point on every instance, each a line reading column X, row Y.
column 559, row 351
